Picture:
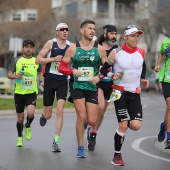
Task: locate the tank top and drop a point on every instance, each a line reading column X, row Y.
column 88, row 62
column 51, row 69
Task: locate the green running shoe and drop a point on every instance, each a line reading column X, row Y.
column 20, row 142
column 28, row 133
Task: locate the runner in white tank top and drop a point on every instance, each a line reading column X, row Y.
column 128, row 59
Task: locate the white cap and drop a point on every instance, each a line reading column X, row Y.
column 132, row 30
column 60, row 25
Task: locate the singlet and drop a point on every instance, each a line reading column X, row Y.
column 51, row 69
column 164, row 74
column 28, row 83
column 86, row 61
column 131, row 64
column 107, row 79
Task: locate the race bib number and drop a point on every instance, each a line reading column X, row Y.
column 87, row 73
column 116, row 94
column 27, row 82
column 54, row 68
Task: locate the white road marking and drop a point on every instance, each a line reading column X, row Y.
column 136, row 146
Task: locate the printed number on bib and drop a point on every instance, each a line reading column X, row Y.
column 54, row 68
column 87, row 73
column 27, row 82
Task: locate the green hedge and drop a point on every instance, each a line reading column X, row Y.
column 8, row 104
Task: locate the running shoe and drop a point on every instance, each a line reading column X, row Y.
column 55, row 147
column 42, row 120
column 28, row 133
column 162, row 134
column 167, row 144
column 20, row 142
column 81, row 152
column 92, row 141
column 117, row 160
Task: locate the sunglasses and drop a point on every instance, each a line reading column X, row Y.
column 63, row 29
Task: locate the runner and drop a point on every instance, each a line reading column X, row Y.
column 164, row 77
column 24, row 70
column 86, row 56
column 128, row 58
column 109, row 42
column 55, row 83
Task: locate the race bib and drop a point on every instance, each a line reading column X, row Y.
column 116, row 94
column 27, row 82
column 87, row 73
column 54, row 68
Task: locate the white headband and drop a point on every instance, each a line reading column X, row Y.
column 133, row 30
column 61, row 25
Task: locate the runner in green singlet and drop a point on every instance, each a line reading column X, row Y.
column 86, row 56
column 164, row 78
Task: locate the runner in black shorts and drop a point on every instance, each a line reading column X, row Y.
column 128, row 58
column 26, row 89
column 86, row 56
column 164, row 78
column 55, row 83
column 109, row 42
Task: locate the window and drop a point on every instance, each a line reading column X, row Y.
column 56, row 3
column 16, row 17
column 31, row 15
column 23, row 15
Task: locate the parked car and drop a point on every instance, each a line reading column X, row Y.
column 5, row 83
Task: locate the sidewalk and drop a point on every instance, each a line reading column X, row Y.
column 39, row 111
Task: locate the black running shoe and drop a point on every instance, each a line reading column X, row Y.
column 42, row 120
column 92, row 141
column 167, row 144
column 162, row 134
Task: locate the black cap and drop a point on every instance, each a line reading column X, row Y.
column 25, row 42
column 109, row 28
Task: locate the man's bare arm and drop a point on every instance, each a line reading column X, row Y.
column 44, row 51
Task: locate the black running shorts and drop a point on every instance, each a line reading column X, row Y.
column 128, row 107
column 90, row 96
column 23, row 100
column 106, row 87
column 54, row 87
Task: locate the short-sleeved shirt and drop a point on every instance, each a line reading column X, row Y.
column 164, row 74
column 87, row 62
column 28, row 82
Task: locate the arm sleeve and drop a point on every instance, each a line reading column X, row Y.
column 143, row 71
column 104, row 70
column 63, row 68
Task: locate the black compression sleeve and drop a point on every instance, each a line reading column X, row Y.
column 143, row 71
column 104, row 69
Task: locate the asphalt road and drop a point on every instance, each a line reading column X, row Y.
column 140, row 151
